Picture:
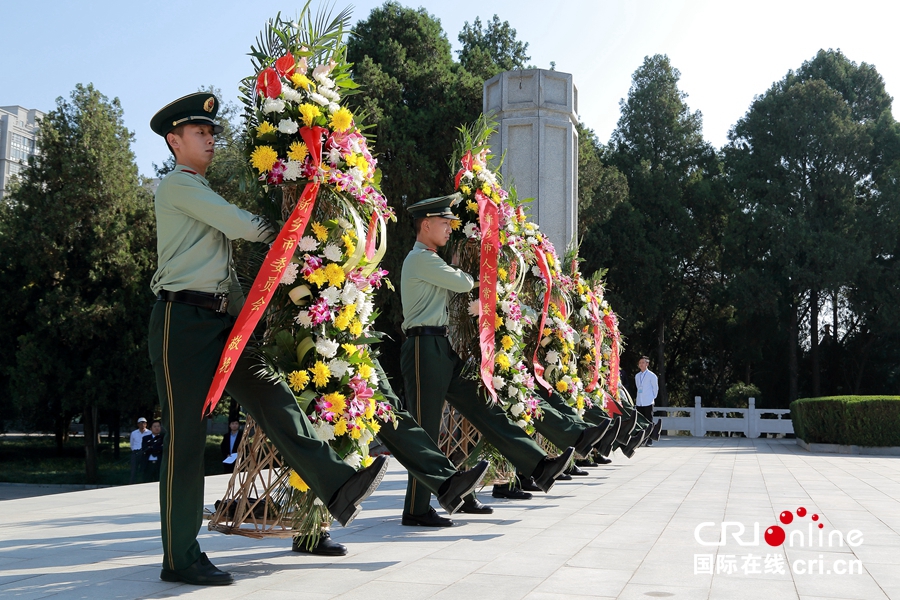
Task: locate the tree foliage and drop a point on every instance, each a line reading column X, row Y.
column 491, row 50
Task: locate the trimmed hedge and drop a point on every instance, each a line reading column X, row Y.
column 848, row 420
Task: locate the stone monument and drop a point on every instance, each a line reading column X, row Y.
column 536, row 111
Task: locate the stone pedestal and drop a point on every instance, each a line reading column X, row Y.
column 537, row 111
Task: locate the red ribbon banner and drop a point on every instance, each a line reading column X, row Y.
column 610, row 321
column 598, row 341
column 269, row 275
column 545, row 271
column 488, row 217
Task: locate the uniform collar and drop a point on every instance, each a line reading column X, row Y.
column 422, row 246
column 188, row 170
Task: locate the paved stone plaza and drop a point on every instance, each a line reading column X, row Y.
column 625, row 531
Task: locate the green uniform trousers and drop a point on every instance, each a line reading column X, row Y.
column 431, row 375
column 560, row 423
column 411, row 445
column 186, row 343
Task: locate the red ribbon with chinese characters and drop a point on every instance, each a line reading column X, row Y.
column 545, row 271
column 370, row 236
column 269, row 275
column 488, row 217
column 613, row 326
column 598, row 341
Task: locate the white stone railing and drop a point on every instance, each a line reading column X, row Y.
column 698, row 420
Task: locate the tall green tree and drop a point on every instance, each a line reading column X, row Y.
column 601, row 187
column 77, row 242
column 662, row 246
column 492, row 49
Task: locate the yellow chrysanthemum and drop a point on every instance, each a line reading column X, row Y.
column 341, row 119
column 340, row 427
column 350, row 349
column 300, row 80
column 471, row 206
column 337, row 400
column 476, row 168
column 298, row 151
column 546, row 331
column 342, row 322
column 506, row 342
column 263, row 158
column 370, row 408
column 365, row 371
column 348, row 244
column 579, row 403
column 498, row 322
column 320, row 374
column 356, row 328
column 317, row 277
column 366, row 461
column 298, row 380
column 454, row 224
column 486, row 190
column 550, row 260
column 375, row 426
column 264, row 128
column 320, row 231
column 501, row 273
column 297, row 482
column 502, row 361
column 356, row 432
column 308, row 113
column 562, row 386
column 526, row 417
column 335, row 274
column 466, row 190
column 495, row 197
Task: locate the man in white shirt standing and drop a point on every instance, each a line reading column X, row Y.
column 647, row 388
column 137, row 440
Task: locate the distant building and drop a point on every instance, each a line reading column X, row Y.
column 18, row 131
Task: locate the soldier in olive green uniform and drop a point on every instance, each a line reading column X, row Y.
column 431, row 369
column 189, row 326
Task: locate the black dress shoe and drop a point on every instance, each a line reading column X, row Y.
column 654, row 433
column 429, row 519
column 526, row 483
column 635, row 441
column 324, row 547
column 589, row 438
column 604, row 461
column 510, row 493
column 605, row 446
column 550, row 468
column 574, row 471
column 344, row 506
column 472, row 506
column 460, row 485
column 202, row 572
column 627, row 428
column 587, row 463
column 564, row 477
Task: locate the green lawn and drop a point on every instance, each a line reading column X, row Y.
column 33, row 459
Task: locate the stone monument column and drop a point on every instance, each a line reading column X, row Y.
column 537, row 111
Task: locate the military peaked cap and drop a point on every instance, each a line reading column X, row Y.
column 199, row 108
column 435, row 207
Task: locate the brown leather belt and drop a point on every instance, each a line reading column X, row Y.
column 215, row 302
column 426, row 330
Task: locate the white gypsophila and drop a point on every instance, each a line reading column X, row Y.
column 552, row 357
column 354, row 459
column 334, row 156
column 517, row 409
column 364, row 309
column 331, row 295
column 319, row 99
column 332, row 253
column 324, row 430
column 344, row 223
column 288, row 126
column 338, row 367
column 497, row 382
column 350, row 293
column 292, row 170
column 307, row 244
column 290, row 274
column 303, row 319
column 291, row 95
column 273, row 105
column 327, row 348
column 470, row 229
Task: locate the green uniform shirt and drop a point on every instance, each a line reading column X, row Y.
column 426, row 282
column 194, row 229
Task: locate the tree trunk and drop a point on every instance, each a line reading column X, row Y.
column 61, row 431
column 662, row 399
column 814, row 342
column 90, row 444
column 116, row 426
column 792, row 354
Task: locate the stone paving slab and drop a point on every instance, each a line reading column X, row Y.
column 627, row 531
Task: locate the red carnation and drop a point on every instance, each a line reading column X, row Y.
column 285, row 65
column 268, row 84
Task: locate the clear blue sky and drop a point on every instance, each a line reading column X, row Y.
column 149, row 53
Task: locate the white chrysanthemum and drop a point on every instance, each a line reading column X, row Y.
column 273, row 105
column 288, row 126
column 329, row 93
column 518, row 377
column 307, row 244
column 324, row 80
column 517, row 409
column 291, row 95
column 354, row 459
column 334, row 156
column 344, row 223
column 331, row 295
column 332, row 253
column 505, row 306
column 532, row 241
column 604, row 304
column 521, row 423
column 470, row 229
column 357, row 176
column 512, row 391
column 324, row 430
column 497, row 382
column 333, row 107
column 327, row 348
column 293, row 170
column 350, row 293
column 319, row 99
column 373, row 381
column 355, row 146
column 364, row 309
column 290, row 274
column 303, row 319
column 536, row 271
column 514, row 326
column 552, row 357
column 338, row 367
